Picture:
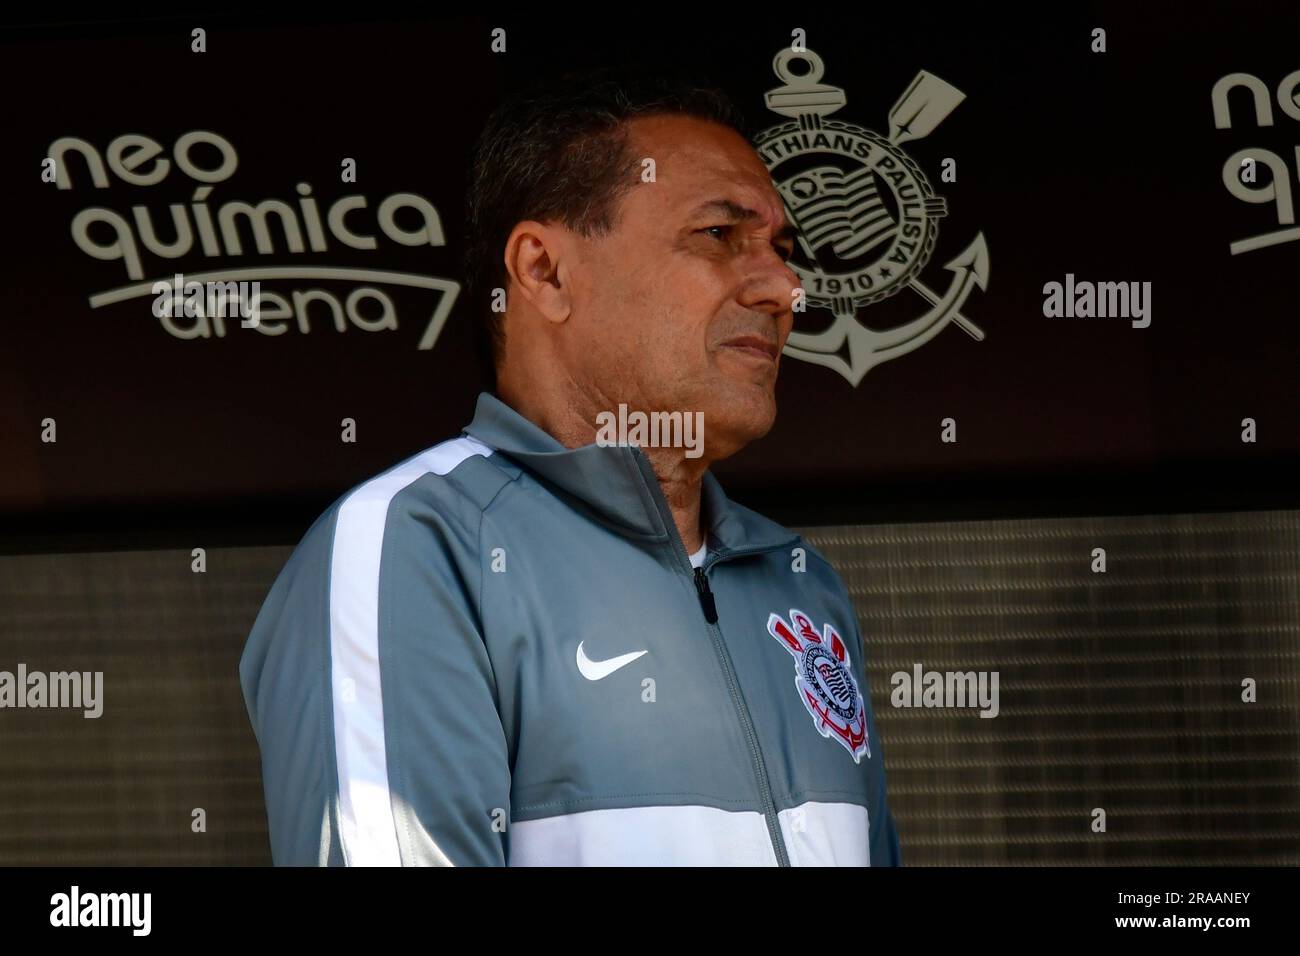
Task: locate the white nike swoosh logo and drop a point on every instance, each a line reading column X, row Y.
column 595, row 670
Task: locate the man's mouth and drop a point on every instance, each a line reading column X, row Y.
column 754, row 345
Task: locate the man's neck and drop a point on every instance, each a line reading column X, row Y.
column 572, row 422
column 680, row 479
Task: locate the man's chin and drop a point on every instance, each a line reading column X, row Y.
column 731, row 425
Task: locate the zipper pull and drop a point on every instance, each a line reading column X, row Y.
column 706, row 596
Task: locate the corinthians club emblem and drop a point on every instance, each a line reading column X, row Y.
column 823, row 675
column 868, row 217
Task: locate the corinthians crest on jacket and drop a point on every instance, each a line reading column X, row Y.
column 868, row 217
column 823, row 676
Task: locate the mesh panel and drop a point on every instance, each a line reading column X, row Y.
column 174, row 736
column 1119, row 690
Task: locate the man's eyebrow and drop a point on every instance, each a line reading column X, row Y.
column 738, row 213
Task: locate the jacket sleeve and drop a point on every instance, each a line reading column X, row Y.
column 372, row 697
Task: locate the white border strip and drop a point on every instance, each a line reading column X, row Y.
column 369, row 829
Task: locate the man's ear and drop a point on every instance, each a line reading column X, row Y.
column 533, row 257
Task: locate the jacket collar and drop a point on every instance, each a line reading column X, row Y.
column 617, row 483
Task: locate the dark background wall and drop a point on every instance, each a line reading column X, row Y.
column 1107, row 166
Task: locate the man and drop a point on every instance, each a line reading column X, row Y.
column 532, row 645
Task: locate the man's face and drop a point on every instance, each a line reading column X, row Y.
column 686, row 304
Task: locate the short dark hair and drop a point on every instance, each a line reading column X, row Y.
column 559, row 153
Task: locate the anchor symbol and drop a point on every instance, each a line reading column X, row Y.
column 926, row 102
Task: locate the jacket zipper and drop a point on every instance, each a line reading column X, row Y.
column 706, row 596
column 709, row 606
column 710, row 609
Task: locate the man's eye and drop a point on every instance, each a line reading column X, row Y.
column 723, row 232
column 784, row 251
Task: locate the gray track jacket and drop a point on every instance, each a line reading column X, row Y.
column 497, row 652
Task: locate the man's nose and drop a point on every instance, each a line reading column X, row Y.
column 771, row 286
